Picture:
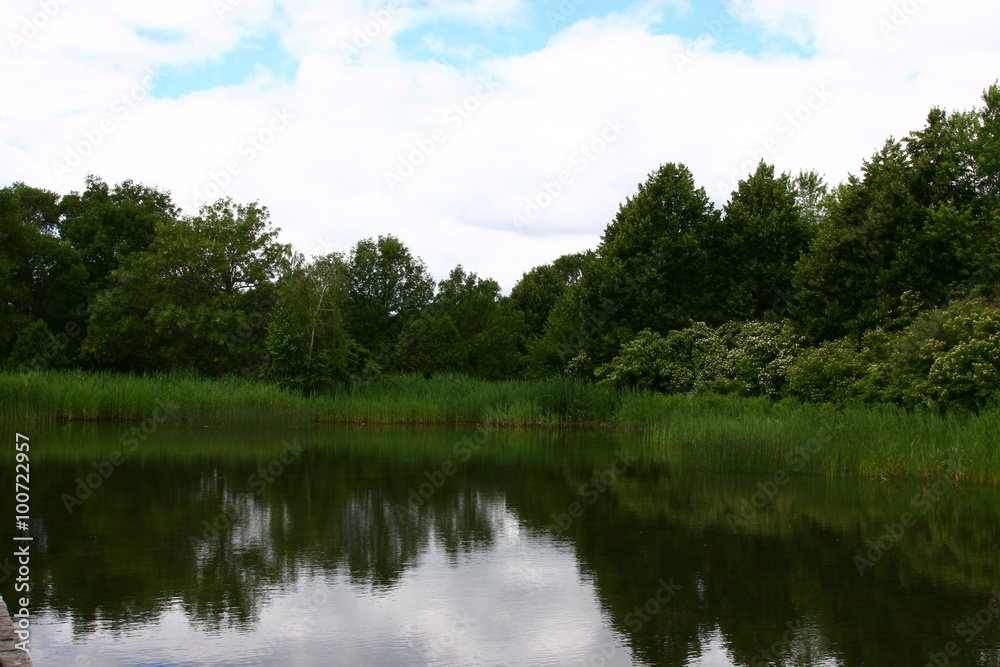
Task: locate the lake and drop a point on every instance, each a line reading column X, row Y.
column 461, row 545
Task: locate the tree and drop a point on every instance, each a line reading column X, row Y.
column 41, row 276
column 308, row 347
column 198, row 297
column 987, row 143
column 387, row 286
column 540, row 289
column 105, row 224
column 762, row 235
column 918, row 225
column 36, row 349
column 490, row 330
column 811, row 194
column 432, row 345
column 649, row 272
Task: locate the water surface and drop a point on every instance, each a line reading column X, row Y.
column 462, row 546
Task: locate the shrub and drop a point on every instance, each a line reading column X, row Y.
column 828, row 373
column 947, row 359
column 694, row 359
column 759, row 356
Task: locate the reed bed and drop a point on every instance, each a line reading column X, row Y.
column 722, row 433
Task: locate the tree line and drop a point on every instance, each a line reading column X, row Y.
column 883, row 289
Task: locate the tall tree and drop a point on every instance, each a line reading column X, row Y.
column 649, row 272
column 919, row 224
column 107, row 224
column 811, row 193
column 762, row 235
column 197, row 297
column 307, row 344
column 987, row 143
column 387, row 286
column 41, row 276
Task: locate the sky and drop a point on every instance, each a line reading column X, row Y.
column 496, row 134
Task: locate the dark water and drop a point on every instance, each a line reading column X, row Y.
column 459, row 546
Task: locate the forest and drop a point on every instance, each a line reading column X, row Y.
column 882, row 290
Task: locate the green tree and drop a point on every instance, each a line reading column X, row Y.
column 431, row 345
column 540, row 289
column 987, row 143
column 387, row 286
column 762, row 235
column 490, row 330
column 649, row 272
column 308, row 347
column 916, row 224
column 198, row 297
column 36, row 348
column 41, row 276
column 106, row 224
column 811, row 193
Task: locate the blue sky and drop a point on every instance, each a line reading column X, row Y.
column 230, row 69
column 463, row 43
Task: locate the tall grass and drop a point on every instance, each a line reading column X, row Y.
column 741, row 435
column 78, row 396
column 723, row 433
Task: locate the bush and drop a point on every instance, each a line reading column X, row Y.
column 759, row 356
column 947, row 359
column 694, row 359
column 825, row 374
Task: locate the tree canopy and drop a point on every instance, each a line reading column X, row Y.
column 790, row 288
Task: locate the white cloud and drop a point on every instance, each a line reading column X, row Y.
column 324, row 176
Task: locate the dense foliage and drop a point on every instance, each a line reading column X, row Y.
column 881, row 290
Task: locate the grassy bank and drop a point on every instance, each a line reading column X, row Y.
column 705, row 432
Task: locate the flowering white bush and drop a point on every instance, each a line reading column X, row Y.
column 946, row 359
column 749, row 358
column 688, row 360
column 760, row 355
column 965, row 372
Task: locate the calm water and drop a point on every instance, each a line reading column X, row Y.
column 460, row 546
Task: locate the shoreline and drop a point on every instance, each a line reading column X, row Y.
column 10, row 655
column 708, row 431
